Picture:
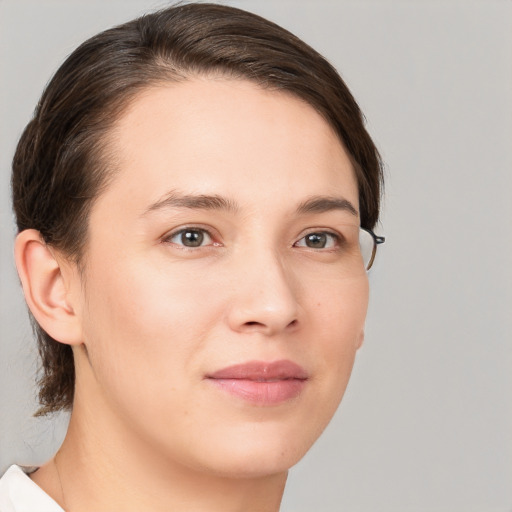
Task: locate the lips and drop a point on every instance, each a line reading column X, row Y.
column 261, row 382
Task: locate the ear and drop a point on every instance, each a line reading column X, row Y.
column 360, row 340
column 46, row 284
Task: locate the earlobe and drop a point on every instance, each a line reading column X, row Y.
column 46, row 287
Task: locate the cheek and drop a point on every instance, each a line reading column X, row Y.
column 144, row 332
column 144, row 315
column 340, row 312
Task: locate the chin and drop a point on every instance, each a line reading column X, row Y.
column 256, row 452
column 256, row 465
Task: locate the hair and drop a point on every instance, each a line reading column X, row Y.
column 60, row 164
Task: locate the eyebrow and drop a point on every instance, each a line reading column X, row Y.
column 322, row 204
column 174, row 199
column 315, row 204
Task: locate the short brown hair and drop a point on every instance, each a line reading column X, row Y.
column 60, row 166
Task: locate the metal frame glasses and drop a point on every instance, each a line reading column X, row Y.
column 369, row 241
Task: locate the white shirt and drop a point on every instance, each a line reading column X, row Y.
column 18, row 493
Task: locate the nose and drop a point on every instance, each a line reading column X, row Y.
column 264, row 299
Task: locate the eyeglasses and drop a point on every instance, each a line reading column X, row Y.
column 369, row 241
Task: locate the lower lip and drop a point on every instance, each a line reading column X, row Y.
column 262, row 393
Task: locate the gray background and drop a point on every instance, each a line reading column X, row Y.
column 426, row 424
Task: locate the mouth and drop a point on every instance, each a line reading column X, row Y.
column 261, row 382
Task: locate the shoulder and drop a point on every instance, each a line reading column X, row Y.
column 18, row 493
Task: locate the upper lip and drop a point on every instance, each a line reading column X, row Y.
column 261, row 371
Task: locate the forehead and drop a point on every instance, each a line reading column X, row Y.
column 228, row 137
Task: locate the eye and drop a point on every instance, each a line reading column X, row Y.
column 190, row 237
column 319, row 240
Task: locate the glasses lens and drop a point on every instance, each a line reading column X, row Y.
column 368, row 246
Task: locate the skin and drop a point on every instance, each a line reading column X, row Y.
column 148, row 318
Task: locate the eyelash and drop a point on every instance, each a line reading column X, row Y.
column 336, row 238
column 168, row 238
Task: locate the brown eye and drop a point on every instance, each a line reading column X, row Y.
column 191, row 237
column 320, row 240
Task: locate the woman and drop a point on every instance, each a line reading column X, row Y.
column 195, row 197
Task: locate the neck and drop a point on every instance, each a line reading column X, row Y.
column 103, row 467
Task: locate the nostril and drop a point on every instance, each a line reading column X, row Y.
column 293, row 323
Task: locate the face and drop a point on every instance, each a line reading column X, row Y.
column 224, row 295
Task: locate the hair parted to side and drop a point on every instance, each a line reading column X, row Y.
column 62, row 161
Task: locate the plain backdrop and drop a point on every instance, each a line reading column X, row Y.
column 426, row 423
